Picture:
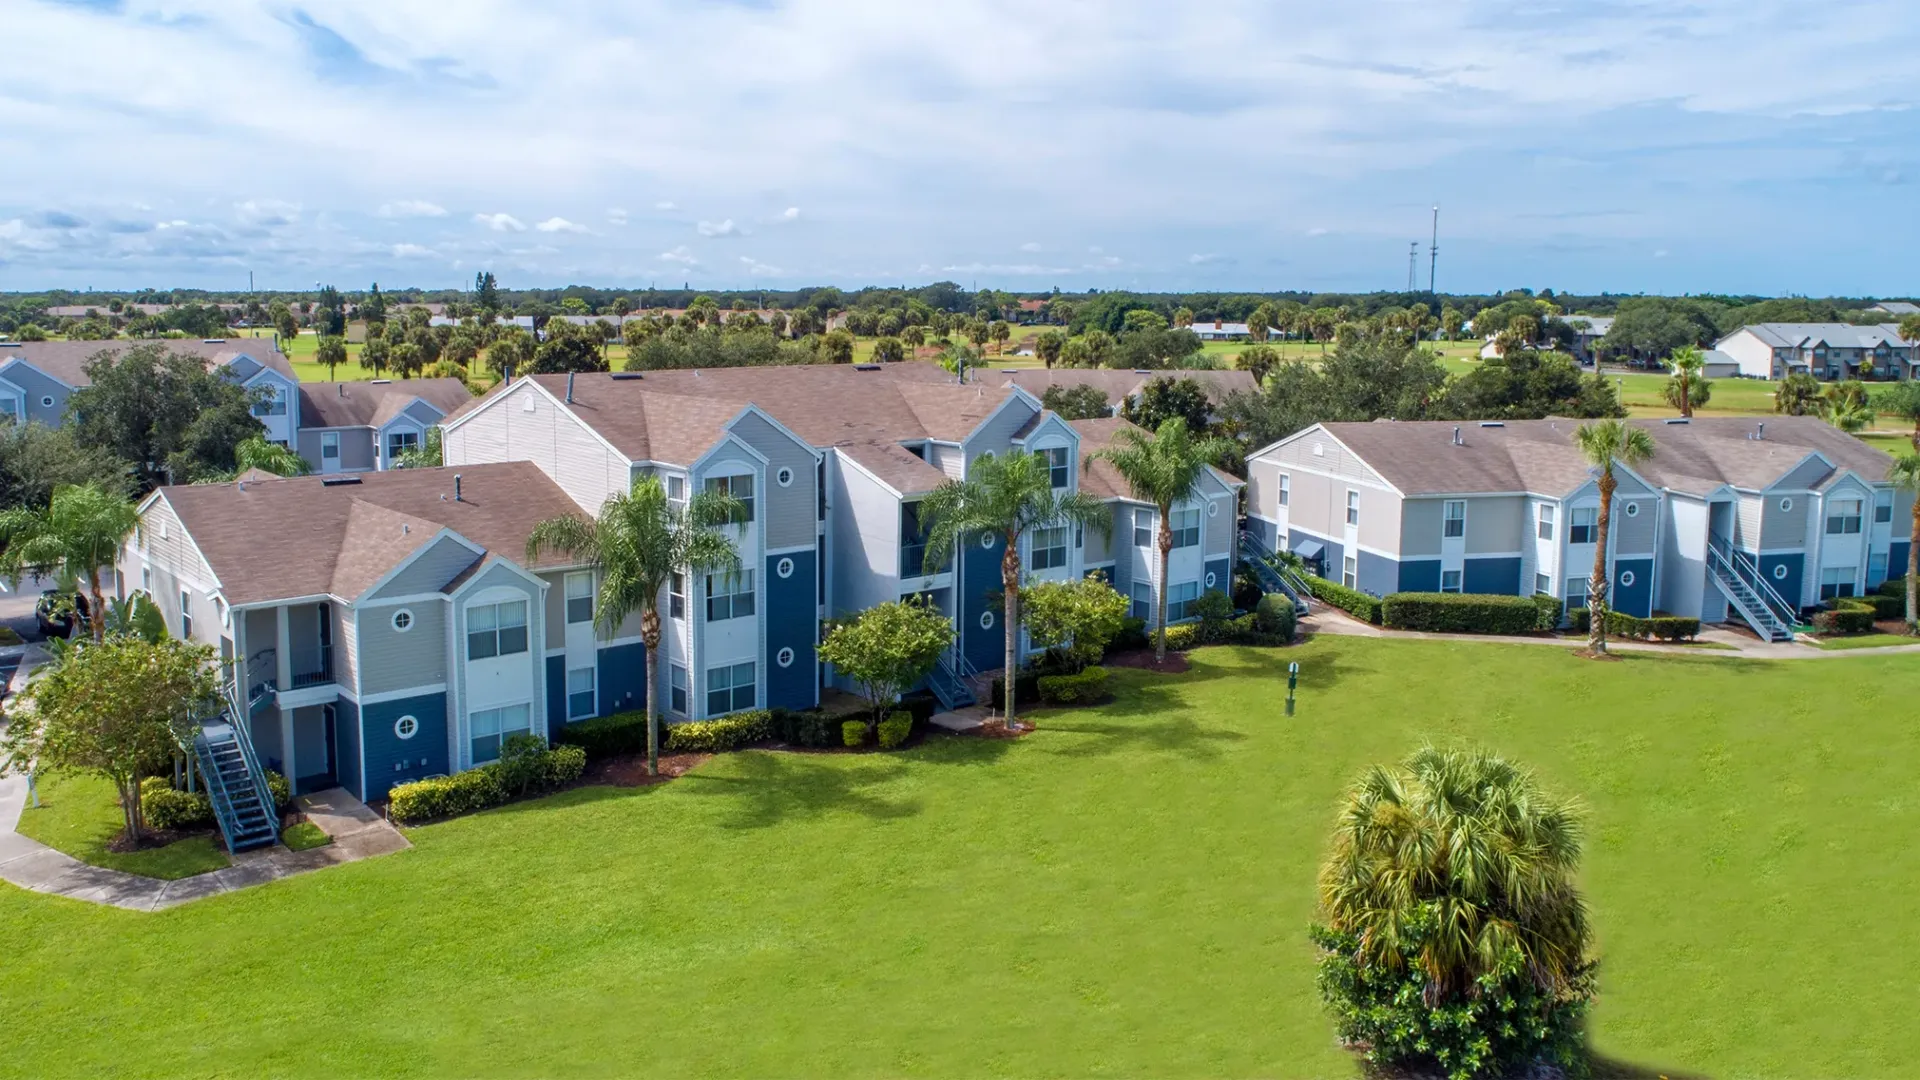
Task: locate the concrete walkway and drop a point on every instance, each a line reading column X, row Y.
column 1327, row 619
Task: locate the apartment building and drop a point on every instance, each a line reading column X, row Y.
column 357, row 426
column 1825, row 350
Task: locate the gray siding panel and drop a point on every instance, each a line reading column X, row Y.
column 394, row 660
column 1748, row 524
column 1495, row 524
column 1633, row 533
column 1333, row 458
column 1804, row 476
column 997, row 433
column 549, row 436
column 948, row 459
column 346, row 646
column 1420, row 526
column 430, row 569
column 38, row 387
column 1786, row 528
column 790, row 512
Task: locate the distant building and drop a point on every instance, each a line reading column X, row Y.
column 1896, row 307
column 1218, row 330
column 1825, row 350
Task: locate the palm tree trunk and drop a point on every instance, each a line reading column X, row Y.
column 1160, row 603
column 1913, row 563
column 1010, row 609
column 1686, row 396
column 649, row 644
column 99, row 618
column 1597, row 584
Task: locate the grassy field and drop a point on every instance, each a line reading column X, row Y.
column 1865, row 641
column 1123, row 893
column 80, row 814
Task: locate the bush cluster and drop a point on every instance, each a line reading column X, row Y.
column 1087, row 686
column 1274, row 614
column 1620, row 624
column 1026, row 687
column 488, row 785
column 810, row 728
column 1887, row 607
column 1846, row 615
column 1546, row 612
column 1459, row 613
column 608, row 736
column 166, row 808
column 720, row 734
column 1133, row 635
column 1352, row 601
column 853, row 733
column 895, row 729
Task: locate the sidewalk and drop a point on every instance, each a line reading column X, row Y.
column 1331, row 620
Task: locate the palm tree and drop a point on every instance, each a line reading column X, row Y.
column 79, row 533
column 1602, row 443
column 1164, row 469
column 639, row 541
column 1902, row 399
column 1687, row 366
column 255, row 452
column 1906, row 477
column 1798, row 395
column 1008, row 495
column 1846, row 406
column 1474, row 837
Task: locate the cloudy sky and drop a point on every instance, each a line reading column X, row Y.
column 1767, row 146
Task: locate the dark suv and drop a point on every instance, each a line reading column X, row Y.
column 56, row 610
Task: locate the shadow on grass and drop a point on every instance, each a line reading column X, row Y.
column 768, row 788
column 1606, row 1068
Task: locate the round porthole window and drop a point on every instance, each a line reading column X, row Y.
column 784, row 568
column 986, row 541
column 986, row 620
column 1213, row 509
column 1786, row 505
column 47, row 402
column 1633, row 509
column 784, row 477
column 1210, row 579
column 406, row 727
column 403, row 620
column 1780, row 572
column 784, row 658
column 1626, row 578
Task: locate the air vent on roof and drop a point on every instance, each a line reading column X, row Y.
column 9, row 344
column 1142, row 371
column 866, row 367
column 1676, row 419
column 1492, row 423
column 336, row 481
column 379, row 382
column 625, row 375
column 213, row 341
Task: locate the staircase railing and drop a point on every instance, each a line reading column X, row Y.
column 1275, row 574
column 1749, row 573
column 1752, row 607
column 947, row 685
column 223, row 812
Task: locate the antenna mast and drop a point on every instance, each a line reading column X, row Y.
column 1413, row 254
column 1433, row 258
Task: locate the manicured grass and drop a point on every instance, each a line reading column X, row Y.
column 1124, row 892
column 80, row 815
column 1866, row 641
column 303, row 836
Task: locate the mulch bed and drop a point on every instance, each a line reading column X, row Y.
column 152, row 838
column 1174, row 664
column 997, row 729
column 632, row 771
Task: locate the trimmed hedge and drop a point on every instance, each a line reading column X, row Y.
column 1352, row 601
column 810, row 728
column 166, row 808
column 895, row 729
column 1275, row 614
column 1887, row 607
column 1621, row 625
column 1894, row 586
column 1547, row 609
column 608, row 736
column 720, row 734
column 1087, row 686
column 1459, row 613
column 853, row 732
column 478, row 789
column 1847, row 615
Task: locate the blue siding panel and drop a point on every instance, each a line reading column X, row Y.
column 1897, row 555
column 1789, row 586
column 346, row 746
column 791, row 611
column 1635, row 598
column 1330, row 562
column 622, row 680
column 1498, row 576
column 1420, row 575
column 1377, row 574
column 556, row 694
column 1221, row 570
column 392, row 760
column 984, row 648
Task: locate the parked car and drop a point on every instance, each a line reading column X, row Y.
column 56, row 610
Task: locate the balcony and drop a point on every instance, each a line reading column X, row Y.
column 312, row 666
column 913, row 560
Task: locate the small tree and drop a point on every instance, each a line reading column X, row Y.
column 999, row 332
column 1073, row 620
column 888, row 648
column 331, row 352
column 1257, row 360
column 1047, row 346
column 1902, row 399
column 258, row 453
column 1906, row 477
column 888, row 350
column 1077, row 402
column 1602, row 444
column 1688, row 389
column 119, row 708
column 1165, row 398
column 79, row 533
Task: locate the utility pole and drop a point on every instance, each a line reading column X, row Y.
column 1413, row 256
column 1433, row 259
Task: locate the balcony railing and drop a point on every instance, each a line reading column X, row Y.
column 313, row 667
column 913, row 560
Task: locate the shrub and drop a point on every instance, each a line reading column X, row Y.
column 920, row 705
column 565, row 764
column 281, row 791
column 1088, row 686
column 720, row 734
column 853, row 733
column 1547, row 612
column 1182, row 637
column 445, row 796
column 1274, row 614
column 1847, row 615
column 1672, row 627
column 1622, row 625
column 1213, row 606
column 809, row 728
column 608, row 736
column 1026, row 689
column 1352, row 601
column 1073, row 620
column 1887, row 607
column 1459, row 613
column 522, row 764
column 166, row 808
column 895, row 729
column 1132, row 635
column 1894, row 586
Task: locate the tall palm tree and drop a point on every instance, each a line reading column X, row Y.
column 1906, row 477
column 1798, row 395
column 1164, row 469
column 1602, row 443
column 79, row 533
column 1476, row 837
column 1008, row 495
column 1902, row 399
column 1688, row 366
column 255, row 452
column 1846, row 406
column 636, row 545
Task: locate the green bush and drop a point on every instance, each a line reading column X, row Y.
column 1213, row 606
column 1026, row 689
column 810, row 728
column 281, row 791
column 1894, row 586
column 1275, row 614
column 1459, row 613
column 720, row 734
column 166, row 808
column 523, row 763
column 920, row 706
column 1671, row 627
column 1088, row 686
column 853, row 733
column 1887, row 607
column 608, row 736
column 1352, row 601
column 1183, row 636
column 1845, row 615
column 895, row 729
column 445, row 796
column 1546, row 612
column 565, row 764
column 1132, row 635
column 1622, row 625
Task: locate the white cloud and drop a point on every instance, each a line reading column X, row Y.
column 1317, row 231
column 1030, row 246
column 1196, row 260
column 719, row 228
column 757, row 268
column 665, row 204
column 616, row 216
column 500, row 222
column 266, row 213
column 412, row 251
column 560, row 224
column 791, row 213
column 412, row 208
column 680, row 255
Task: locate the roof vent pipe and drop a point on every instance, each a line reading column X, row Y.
column 569, row 387
column 342, row 387
column 1763, row 430
column 1456, row 436
column 456, row 487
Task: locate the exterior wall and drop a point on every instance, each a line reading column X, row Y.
column 1784, row 529
column 1218, row 575
column 1420, row 527
column 1755, row 356
column 1634, row 532
column 1790, row 582
column 311, row 750
column 866, row 540
column 948, row 459
column 620, row 679
column 1804, row 476
column 346, row 646
column 346, row 747
column 1683, row 587
column 1494, row 524
column 35, row 387
column 392, row 760
column 996, row 434
column 391, row 660
column 1633, row 597
column 1374, row 574
column 1333, row 460
column 545, row 433
column 429, row 570
column 984, row 647
column 356, row 448
column 1311, row 505
column 1746, row 532
column 1492, row 575
column 789, row 513
column 791, row 625
column 487, row 683
column 1420, row 575
column 1263, row 488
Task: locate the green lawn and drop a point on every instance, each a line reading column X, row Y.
column 80, row 814
column 1123, row 893
column 304, row 836
column 1866, row 641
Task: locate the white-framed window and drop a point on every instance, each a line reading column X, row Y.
column 1049, row 548
column 1542, row 585
column 329, row 446
column 986, row 541
column 399, row 442
column 677, row 489
column 1142, row 527
column 1786, row 504
column 741, row 487
column 1286, row 490
column 677, row 596
column 1180, row 600
column 729, row 595
column 1837, row 581
column 10, row 407
column 1583, row 524
column 1544, row 528
column 1350, row 572
column 406, row 727
column 581, row 699
column 784, row 477
column 729, row 688
column 1779, row 571
column 491, row 727
column 1627, row 579
column 273, row 404
column 1141, row 595
column 580, row 597
column 496, row 629
column 1843, row 517
column 1633, row 508
column 402, row 620
column 783, row 568
column 1453, row 518
column 784, row 657
column 986, row 619
column 1186, row 528
column 1211, row 579
column 1353, row 507
column 1450, row 580
column 1882, row 507
column 677, row 689
column 1059, row 466
column 186, row 614
column 1576, row 595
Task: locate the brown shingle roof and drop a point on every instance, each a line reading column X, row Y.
column 276, row 539
column 67, row 360
column 373, row 403
column 895, row 466
column 1119, row 385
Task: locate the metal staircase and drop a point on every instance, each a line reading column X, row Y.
column 236, row 783
column 1748, row 591
column 948, row 681
column 1274, row 575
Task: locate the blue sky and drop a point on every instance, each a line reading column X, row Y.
column 1759, row 146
